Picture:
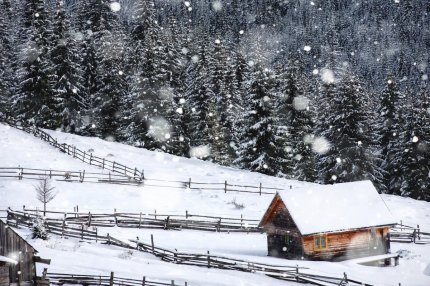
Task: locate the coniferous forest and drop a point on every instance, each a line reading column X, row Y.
column 323, row 91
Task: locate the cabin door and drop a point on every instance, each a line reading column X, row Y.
column 4, row 276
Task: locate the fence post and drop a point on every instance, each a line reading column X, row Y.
column 83, row 176
column 418, row 228
column 91, row 157
column 74, row 151
column 155, row 213
column 173, row 282
column 225, row 186
column 111, row 279
column 401, row 225
column 89, row 219
column 96, row 235
column 260, row 189
column 103, row 163
column 297, row 272
column 219, row 225
column 241, row 221
column 189, row 183
column 113, row 166
column 140, row 219
column 50, row 173
column 83, row 158
column 108, row 238
column 209, row 260
column 152, row 243
column 186, row 213
column 167, row 223
column 143, row 281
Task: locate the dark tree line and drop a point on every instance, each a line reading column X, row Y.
column 324, row 91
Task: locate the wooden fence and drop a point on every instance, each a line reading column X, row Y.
column 134, row 173
column 21, row 173
column 86, row 157
column 104, row 280
column 142, row 220
column 283, row 272
column 409, row 234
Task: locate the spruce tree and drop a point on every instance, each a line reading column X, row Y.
column 342, row 122
column 34, row 101
column 66, row 77
column 258, row 148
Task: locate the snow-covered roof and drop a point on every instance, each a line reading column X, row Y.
column 338, row 207
column 7, row 260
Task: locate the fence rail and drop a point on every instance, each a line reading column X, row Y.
column 133, row 174
column 86, row 157
column 282, row 272
column 105, row 280
column 142, row 220
column 409, row 234
column 21, row 173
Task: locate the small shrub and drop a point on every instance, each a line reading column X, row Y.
column 39, row 229
column 238, row 206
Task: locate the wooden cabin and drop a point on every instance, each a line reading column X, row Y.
column 328, row 222
column 17, row 258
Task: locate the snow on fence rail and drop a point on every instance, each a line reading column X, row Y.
column 86, row 157
column 134, row 173
column 143, row 220
column 409, row 234
column 104, row 280
column 282, row 272
column 21, row 173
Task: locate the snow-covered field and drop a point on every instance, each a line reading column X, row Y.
column 72, row 256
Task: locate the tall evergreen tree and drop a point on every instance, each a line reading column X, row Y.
column 342, row 122
column 258, row 149
column 66, row 76
column 33, row 101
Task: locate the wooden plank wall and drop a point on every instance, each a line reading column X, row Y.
column 4, row 275
column 11, row 244
column 347, row 245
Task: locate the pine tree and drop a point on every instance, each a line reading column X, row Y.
column 5, row 58
column 33, row 101
column 294, row 123
column 66, row 82
column 342, row 122
column 389, row 130
column 198, row 97
column 415, row 166
column 258, row 149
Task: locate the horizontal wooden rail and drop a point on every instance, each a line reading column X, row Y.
column 283, row 272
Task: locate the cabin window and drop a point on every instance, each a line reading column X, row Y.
column 320, row 242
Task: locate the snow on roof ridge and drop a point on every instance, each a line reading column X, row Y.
column 337, row 207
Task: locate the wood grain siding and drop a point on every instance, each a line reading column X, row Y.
column 347, row 245
column 4, row 275
column 11, row 244
column 283, row 237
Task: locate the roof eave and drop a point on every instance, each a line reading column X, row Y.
column 350, row 229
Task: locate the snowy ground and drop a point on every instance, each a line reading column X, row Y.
column 69, row 255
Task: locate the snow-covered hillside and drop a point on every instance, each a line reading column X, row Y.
column 70, row 255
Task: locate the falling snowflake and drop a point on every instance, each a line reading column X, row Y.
column 307, row 48
column 320, row 145
column 415, row 139
column 300, row 103
column 200, row 151
column 115, row 6
column 327, row 76
column 217, row 5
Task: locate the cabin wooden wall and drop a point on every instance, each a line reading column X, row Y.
column 13, row 244
column 283, row 236
column 348, row 245
column 4, row 275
